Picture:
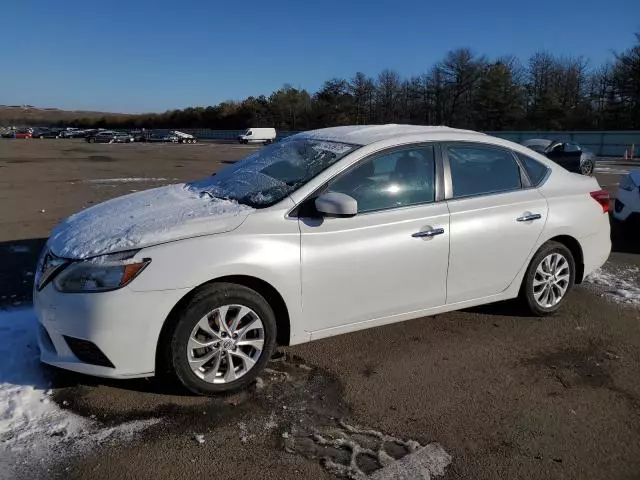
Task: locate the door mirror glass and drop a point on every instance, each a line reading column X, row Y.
column 336, row 204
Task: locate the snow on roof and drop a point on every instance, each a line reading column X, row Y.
column 366, row 134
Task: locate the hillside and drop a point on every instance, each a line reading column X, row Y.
column 28, row 114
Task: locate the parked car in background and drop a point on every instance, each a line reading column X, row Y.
column 109, row 136
column 71, row 133
column 23, row 133
column 627, row 203
column 567, row 154
column 155, row 136
column 258, row 135
column 46, row 133
column 323, row 233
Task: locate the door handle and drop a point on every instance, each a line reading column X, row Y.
column 431, row 232
column 529, row 217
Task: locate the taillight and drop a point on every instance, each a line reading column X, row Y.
column 602, row 197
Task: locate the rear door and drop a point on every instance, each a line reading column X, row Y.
column 496, row 219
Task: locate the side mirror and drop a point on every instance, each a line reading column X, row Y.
column 335, row 204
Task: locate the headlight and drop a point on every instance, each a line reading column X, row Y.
column 100, row 274
column 627, row 183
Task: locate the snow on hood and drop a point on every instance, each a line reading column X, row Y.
column 143, row 219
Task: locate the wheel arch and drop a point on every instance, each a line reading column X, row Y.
column 268, row 291
column 576, row 250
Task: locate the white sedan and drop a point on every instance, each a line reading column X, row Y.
column 326, row 232
column 627, row 203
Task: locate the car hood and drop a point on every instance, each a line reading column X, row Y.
column 635, row 176
column 143, row 219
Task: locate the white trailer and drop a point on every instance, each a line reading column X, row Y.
column 183, row 137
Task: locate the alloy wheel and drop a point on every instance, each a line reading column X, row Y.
column 587, row 168
column 551, row 280
column 225, row 344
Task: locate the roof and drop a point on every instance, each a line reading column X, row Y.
column 366, row 134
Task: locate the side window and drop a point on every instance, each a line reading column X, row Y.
column 571, row 148
column 395, row 179
column 479, row 170
column 535, row 170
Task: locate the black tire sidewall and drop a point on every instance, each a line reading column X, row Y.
column 527, row 286
column 204, row 302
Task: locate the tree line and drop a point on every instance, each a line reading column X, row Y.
column 464, row 90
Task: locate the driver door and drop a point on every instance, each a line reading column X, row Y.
column 388, row 260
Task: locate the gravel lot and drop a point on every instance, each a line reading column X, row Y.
column 505, row 395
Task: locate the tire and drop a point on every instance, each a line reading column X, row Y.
column 532, row 291
column 204, row 309
column 92, row 140
column 587, row 168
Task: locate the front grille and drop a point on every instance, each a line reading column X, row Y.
column 88, row 352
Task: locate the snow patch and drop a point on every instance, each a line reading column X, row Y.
column 32, row 425
column 621, row 285
column 142, row 219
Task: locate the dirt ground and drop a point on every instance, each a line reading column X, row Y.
column 507, row 396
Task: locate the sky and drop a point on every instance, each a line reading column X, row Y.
column 150, row 56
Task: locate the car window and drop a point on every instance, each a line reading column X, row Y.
column 535, row 170
column 571, row 147
column 395, row 179
column 480, row 170
column 270, row 174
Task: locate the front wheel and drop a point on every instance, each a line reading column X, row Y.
column 222, row 340
column 549, row 278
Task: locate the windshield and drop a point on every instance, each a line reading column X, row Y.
column 272, row 173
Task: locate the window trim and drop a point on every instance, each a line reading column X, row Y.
column 543, row 179
column 439, row 180
column 525, row 182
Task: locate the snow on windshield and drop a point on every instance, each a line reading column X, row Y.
column 272, row 173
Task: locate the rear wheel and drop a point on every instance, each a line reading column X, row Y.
column 587, row 167
column 222, row 340
column 549, row 278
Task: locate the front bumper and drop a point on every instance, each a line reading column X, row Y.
column 123, row 325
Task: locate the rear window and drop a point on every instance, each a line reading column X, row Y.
column 536, row 171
